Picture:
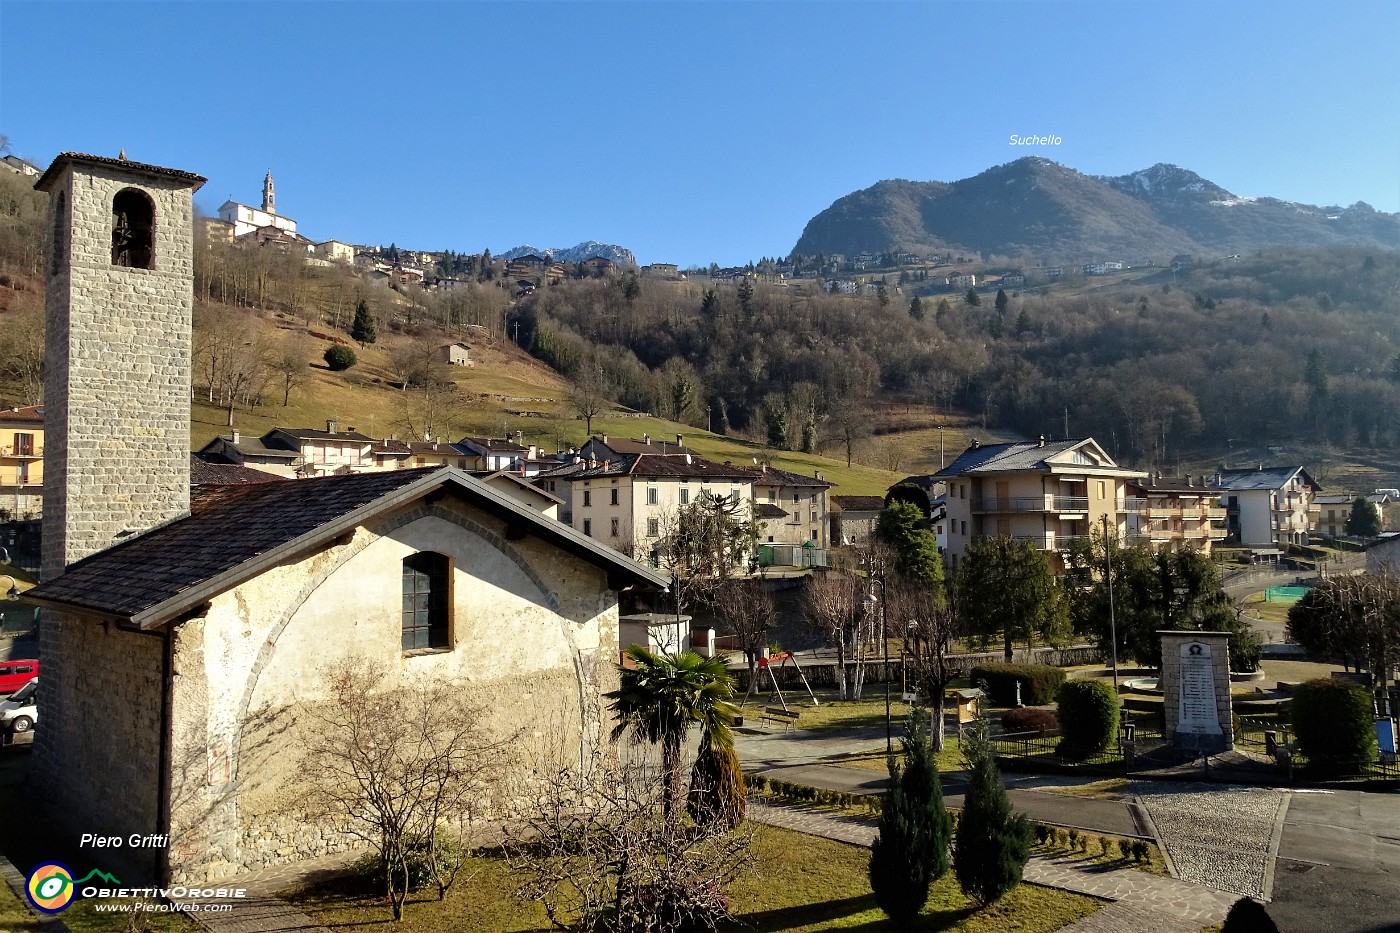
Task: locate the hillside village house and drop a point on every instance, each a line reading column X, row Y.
column 1329, row 514
column 455, row 354
column 184, row 637
column 853, row 518
column 335, row 251
column 1052, row 493
column 1172, row 514
column 628, row 503
column 1266, row 507
column 21, row 463
column 791, row 508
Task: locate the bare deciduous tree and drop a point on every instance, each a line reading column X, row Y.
column 928, row 625
column 394, row 766
column 291, row 365
column 833, row 604
column 748, row 611
column 599, row 857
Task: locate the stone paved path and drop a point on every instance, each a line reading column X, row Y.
column 261, row 912
column 1142, row 902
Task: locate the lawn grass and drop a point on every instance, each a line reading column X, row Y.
column 27, row 841
column 1267, row 612
column 795, row 884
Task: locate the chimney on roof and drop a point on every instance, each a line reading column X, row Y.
column 975, row 443
column 330, row 426
column 1188, row 481
column 233, row 435
column 680, row 441
column 646, row 439
column 1042, row 441
column 687, row 459
column 1261, row 468
column 604, row 437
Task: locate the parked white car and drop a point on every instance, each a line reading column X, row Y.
column 18, row 713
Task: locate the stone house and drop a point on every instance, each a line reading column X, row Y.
column 184, row 635
column 455, row 354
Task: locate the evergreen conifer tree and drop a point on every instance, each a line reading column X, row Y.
column 362, row 328
column 911, row 851
column 993, row 844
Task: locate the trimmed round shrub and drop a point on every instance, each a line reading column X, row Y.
column 1029, row 719
column 1088, row 717
column 1334, row 725
column 1039, row 682
column 340, row 358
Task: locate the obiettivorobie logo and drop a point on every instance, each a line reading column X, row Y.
column 51, row 886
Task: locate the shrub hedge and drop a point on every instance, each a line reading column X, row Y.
column 1029, row 719
column 1039, row 682
column 1334, row 724
column 1088, row 717
column 339, row 358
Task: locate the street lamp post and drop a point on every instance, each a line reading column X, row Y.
column 1112, row 624
column 870, row 600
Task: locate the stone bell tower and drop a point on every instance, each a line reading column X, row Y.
column 117, row 334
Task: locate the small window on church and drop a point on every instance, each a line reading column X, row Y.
column 133, row 229
column 58, row 248
column 426, row 601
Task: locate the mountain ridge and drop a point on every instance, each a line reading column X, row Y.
column 1035, row 205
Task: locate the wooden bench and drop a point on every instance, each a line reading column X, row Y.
column 779, row 716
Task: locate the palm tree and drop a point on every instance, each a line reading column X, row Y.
column 663, row 696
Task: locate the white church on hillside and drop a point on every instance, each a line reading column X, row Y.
column 247, row 219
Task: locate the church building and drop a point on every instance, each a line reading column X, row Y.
column 247, row 219
column 182, row 638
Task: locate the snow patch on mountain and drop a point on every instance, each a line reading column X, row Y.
column 585, row 250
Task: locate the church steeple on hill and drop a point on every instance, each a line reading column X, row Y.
column 269, row 203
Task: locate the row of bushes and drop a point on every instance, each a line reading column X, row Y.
column 1039, row 682
column 801, row 793
column 1135, row 850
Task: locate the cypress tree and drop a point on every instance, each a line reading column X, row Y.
column 911, row 851
column 993, row 844
column 362, row 328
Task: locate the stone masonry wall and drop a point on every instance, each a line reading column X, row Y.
column 117, row 384
column 98, row 765
column 1219, row 643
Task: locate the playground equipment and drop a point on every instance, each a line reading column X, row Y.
column 766, row 665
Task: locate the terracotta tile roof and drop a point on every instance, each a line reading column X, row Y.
column 234, row 530
column 28, row 415
column 768, row 510
column 775, row 477
column 142, row 168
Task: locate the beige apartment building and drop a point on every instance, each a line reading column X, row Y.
column 1173, row 513
column 21, row 462
column 627, row 502
column 1051, row 493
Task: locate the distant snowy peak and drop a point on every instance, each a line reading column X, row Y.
column 585, row 250
column 1166, row 182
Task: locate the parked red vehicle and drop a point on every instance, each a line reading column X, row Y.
column 15, row 674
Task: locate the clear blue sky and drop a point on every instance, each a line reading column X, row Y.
column 693, row 132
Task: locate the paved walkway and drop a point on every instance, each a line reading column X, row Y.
column 1142, row 902
column 260, row 911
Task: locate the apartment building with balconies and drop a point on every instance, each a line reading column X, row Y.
column 1052, row 493
column 1173, row 513
column 1267, row 507
column 21, row 463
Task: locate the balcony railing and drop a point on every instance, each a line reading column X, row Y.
column 1057, row 543
column 1033, row 504
column 21, row 450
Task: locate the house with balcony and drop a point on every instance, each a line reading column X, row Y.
column 1051, row 493
column 1330, row 514
column 21, row 463
column 1173, row 513
column 790, row 508
column 1267, row 507
column 629, row 501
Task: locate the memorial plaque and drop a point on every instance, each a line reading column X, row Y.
column 1198, row 714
